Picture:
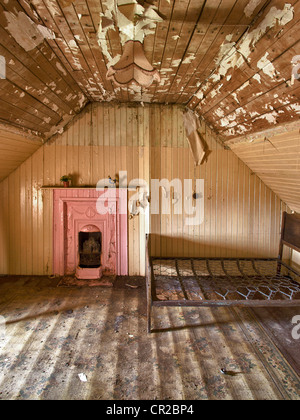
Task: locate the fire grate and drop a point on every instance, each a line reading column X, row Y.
column 90, row 249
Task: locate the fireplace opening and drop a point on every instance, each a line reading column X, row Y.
column 90, row 244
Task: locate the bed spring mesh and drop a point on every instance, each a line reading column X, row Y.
column 224, row 279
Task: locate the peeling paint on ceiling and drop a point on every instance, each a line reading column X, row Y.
column 132, row 20
column 251, row 6
column 268, row 67
column 239, row 77
column 27, row 34
column 295, row 69
column 233, row 55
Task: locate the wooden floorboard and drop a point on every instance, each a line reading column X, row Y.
column 50, row 335
column 278, row 324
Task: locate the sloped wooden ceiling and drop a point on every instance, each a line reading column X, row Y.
column 14, row 150
column 275, row 158
column 234, row 62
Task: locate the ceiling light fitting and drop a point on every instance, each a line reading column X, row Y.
column 133, row 67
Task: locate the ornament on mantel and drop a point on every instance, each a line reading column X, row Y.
column 66, row 180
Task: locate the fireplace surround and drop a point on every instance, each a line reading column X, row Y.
column 86, row 243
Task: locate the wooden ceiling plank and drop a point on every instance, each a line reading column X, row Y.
column 10, row 120
column 269, row 106
column 270, row 145
column 287, row 142
column 29, row 70
column 34, row 135
column 42, row 122
column 155, row 45
column 68, row 47
column 279, row 129
column 35, row 96
column 7, row 167
column 89, row 50
column 41, row 63
column 21, row 114
column 278, row 168
column 257, row 167
column 263, row 44
column 238, row 22
column 194, row 74
column 270, row 42
column 150, row 47
column 266, row 155
column 255, row 100
column 209, row 47
column 264, row 106
column 15, row 148
column 286, row 172
column 283, row 187
column 63, row 57
column 19, row 148
column 163, row 43
column 113, row 39
column 286, row 197
column 258, row 124
column 12, row 93
column 286, row 146
column 95, row 8
column 272, row 159
column 240, row 78
column 184, row 19
column 293, row 183
column 8, row 156
column 18, row 139
column 15, row 121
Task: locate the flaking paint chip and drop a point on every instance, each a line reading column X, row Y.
column 82, row 377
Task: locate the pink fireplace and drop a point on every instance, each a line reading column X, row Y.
column 89, row 243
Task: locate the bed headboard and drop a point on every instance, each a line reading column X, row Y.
column 290, row 232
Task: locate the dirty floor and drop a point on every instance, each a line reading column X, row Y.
column 59, row 343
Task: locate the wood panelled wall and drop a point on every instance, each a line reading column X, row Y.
column 14, row 150
column 276, row 160
column 242, row 215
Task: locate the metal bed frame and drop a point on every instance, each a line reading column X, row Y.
column 208, row 282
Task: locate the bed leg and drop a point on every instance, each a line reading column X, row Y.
column 149, row 306
column 149, row 318
column 148, row 284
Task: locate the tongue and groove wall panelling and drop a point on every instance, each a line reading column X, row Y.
column 276, row 160
column 102, row 141
column 15, row 149
column 242, row 215
column 4, row 227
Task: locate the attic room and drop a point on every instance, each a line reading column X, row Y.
column 149, row 201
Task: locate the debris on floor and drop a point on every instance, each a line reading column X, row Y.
column 82, row 377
